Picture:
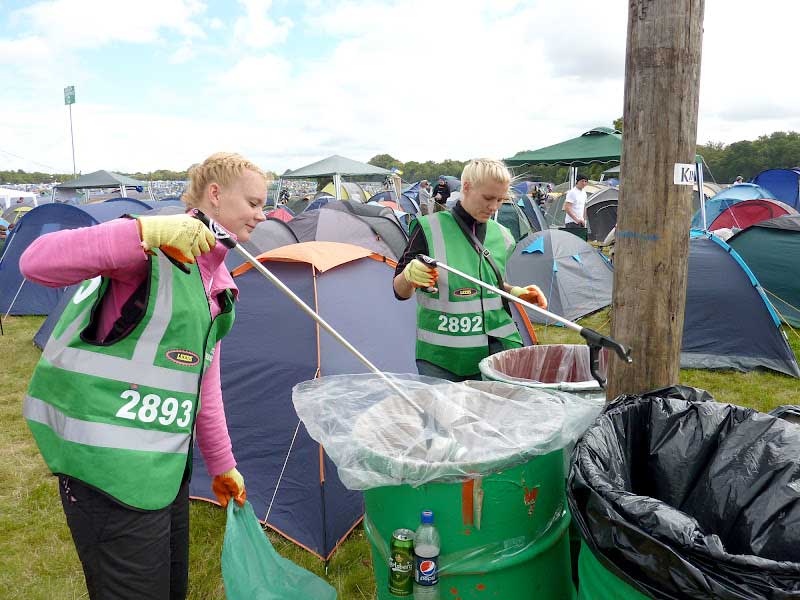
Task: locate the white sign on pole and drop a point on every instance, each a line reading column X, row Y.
column 685, row 174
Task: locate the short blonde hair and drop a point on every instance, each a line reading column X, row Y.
column 479, row 170
column 220, row 168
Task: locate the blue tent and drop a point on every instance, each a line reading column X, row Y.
column 532, row 212
column 729, row 324
column 784, row 183
column 727, row 198
column 407, row 202
column 26, row 298
column 272, row 347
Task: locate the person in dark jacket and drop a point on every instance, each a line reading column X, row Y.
column 440, row 194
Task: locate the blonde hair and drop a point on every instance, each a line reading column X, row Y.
column 479, row 170
column 221, row 168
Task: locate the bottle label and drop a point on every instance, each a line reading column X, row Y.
column 426, row 571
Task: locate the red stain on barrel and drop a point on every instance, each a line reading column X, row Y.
column 480, row 587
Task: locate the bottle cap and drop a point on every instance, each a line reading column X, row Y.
column 426, row 516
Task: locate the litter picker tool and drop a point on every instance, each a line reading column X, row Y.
column 594, row 339
column 226, row 240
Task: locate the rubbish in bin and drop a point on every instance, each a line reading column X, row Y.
column 376, row 439
column 251, row 569
column 401, row 563
column 595, row 340
column 682, row 497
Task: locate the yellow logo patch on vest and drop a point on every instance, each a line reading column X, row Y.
column 465, row 292
column 183, row 357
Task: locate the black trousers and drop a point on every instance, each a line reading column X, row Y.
column 128, row 554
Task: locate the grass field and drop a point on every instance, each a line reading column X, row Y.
column 37, row 558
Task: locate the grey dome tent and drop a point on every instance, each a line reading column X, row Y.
column 601, row 213
column 729, row 323
column 575, row 277
column 772, row 251
column 338, row 226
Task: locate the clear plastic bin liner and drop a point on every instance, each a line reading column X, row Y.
column 377, row 438
column 565, row 364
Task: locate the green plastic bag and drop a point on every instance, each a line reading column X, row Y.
column 253, row 570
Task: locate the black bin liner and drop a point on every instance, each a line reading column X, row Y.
column 683, row 497
column 789, row 412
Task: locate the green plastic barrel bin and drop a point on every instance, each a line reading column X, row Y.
column 486, row 457
column 515, row 546
column 563, row 367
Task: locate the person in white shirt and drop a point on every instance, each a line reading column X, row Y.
column 575, row 204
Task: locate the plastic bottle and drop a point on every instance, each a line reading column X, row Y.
column 427, row 545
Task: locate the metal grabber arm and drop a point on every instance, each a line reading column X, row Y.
column 594, row 339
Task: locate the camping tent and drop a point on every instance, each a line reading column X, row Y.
column 772, row 251
column 330, row 225
column 598, row 145
column 405, row 203
column 728, row 197
column 272, row 347
column 381, row 219
column 9, row 197
column 728, row 323
column 268, row 235
column 536, row 218
column 601, row 213
column 335, row 167
column 783, row 183
column 576, row 279
column 101, row 180
column 510, row 215
column 350, row 191
column 32, row 299
column 749, row 212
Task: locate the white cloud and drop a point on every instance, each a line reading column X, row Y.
column 256, row 29
column 420, row 80
column 93, row 23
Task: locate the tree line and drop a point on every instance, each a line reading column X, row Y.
column 724, row 163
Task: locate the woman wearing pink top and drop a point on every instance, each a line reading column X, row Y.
column 129, row 552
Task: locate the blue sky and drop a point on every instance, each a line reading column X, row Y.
column 164, row 83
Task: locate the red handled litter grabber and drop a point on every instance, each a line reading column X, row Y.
column 594, row 339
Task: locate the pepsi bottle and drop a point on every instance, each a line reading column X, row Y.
column 427, row 545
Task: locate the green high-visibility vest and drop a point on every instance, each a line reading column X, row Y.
column 120, row 417
column 454, row 324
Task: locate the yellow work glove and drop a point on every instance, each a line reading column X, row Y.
column 181, row 237
column 227, row 485
column 530, row 293
column 418, row 274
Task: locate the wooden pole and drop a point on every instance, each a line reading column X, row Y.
column 662, row 81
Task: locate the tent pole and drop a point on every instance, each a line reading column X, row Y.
column 573, row 175
column 123, row 191
column 700, row 192
column 337, row 184
column 10, row 306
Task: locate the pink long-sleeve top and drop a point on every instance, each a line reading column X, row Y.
column 113, row 250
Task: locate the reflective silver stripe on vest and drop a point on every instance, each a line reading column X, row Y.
column 503, row 332
column 103, row 435
column 147, row 346
column 452, row 341
column 439, row 253
column 459, row 308
column 140, row 369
